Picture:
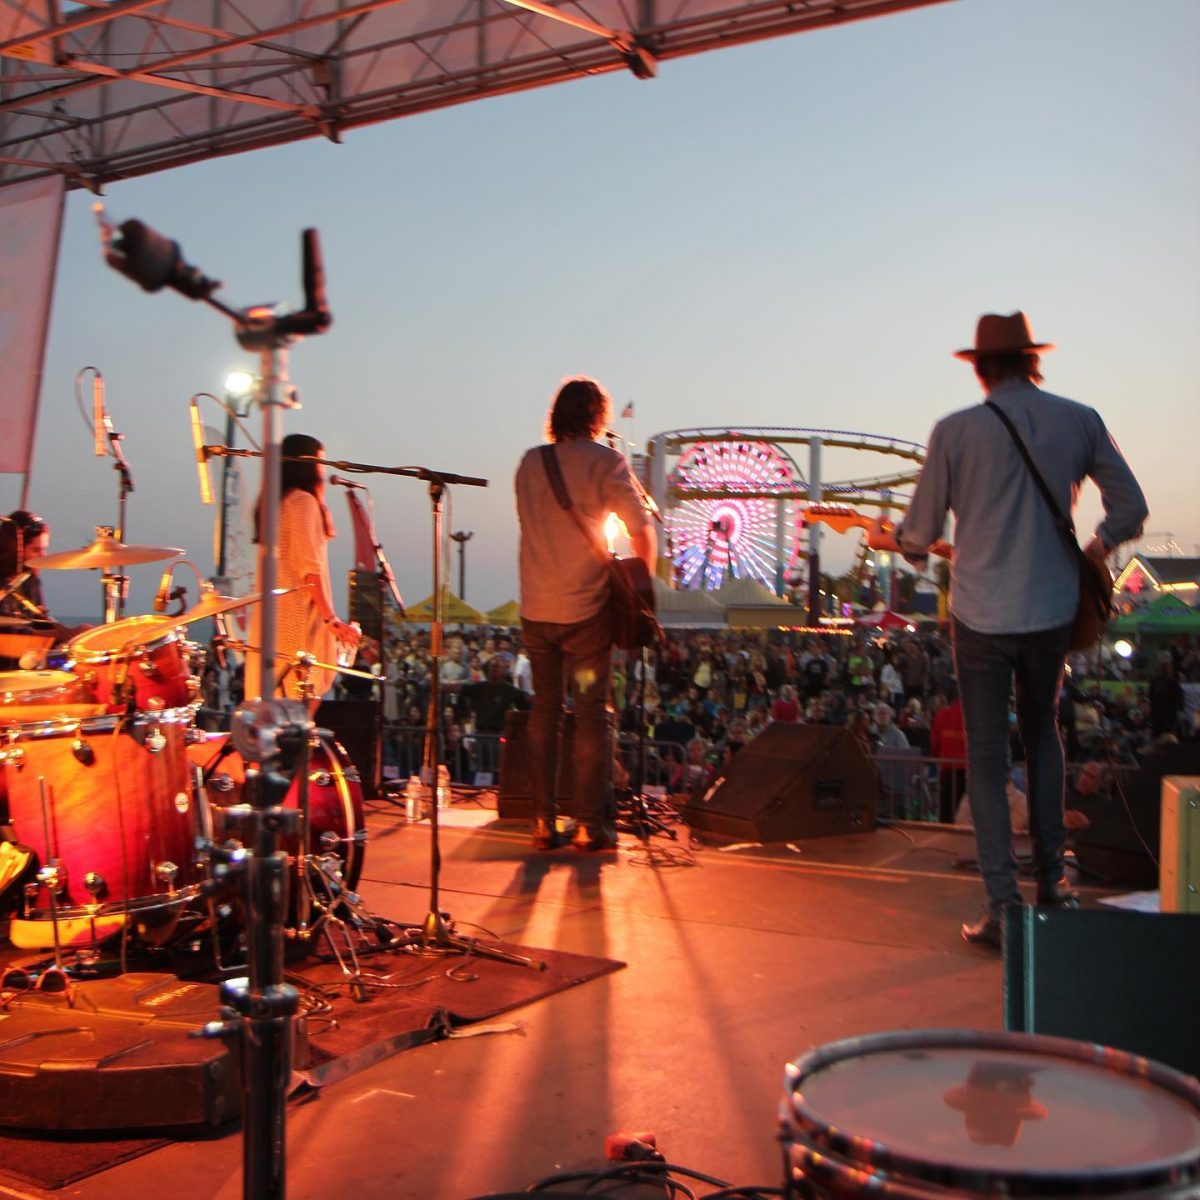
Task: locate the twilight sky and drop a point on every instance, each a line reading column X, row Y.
column 797, row 233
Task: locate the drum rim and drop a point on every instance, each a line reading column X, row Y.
column 116, row 908
column 78, row 644
column 101, row 723
column 824, row 1138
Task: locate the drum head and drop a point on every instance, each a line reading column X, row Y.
column 120, row 636
column 30, row 687
column 996, row 1107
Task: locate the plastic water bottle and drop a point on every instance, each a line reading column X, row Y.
column 443, row 786
column 413, row 795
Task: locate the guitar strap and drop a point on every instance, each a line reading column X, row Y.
column 1064, row 523
column 559, row 486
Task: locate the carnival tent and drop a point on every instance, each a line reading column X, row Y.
column 455, row 611
column 1164, row 616
column 687, row 608
column 508, row 614
column 883, row 620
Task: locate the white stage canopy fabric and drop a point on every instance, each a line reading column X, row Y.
column 101, row 91
column 30, row 227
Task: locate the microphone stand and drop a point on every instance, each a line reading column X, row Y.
column 116, row 583
column 258, row 1009
column 437, row 934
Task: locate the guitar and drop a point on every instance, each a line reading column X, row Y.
column 631, row 604
column 881, row 534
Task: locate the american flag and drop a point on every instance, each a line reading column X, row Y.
column 627, row 411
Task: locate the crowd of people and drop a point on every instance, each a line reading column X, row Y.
column 708, row 692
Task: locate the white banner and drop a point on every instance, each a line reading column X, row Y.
column 30, row 225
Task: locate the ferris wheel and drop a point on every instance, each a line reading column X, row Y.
column 725, row 535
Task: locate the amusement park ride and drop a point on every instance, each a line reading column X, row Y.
column 737, row 504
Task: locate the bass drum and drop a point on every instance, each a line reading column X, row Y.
column 335, row 799
column 106, row 802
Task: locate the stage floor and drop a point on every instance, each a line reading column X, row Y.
column 737, row 963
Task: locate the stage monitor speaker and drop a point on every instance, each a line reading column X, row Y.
column 1179, row 853
column 1123, row 979
column 358, row 725
column 515, row 798
column 1121, row 842
column 792, row 781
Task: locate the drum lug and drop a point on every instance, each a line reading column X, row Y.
column 155, row 740
column 83, row 752
column 14, row 756
column 221, row 783
column 193, row 735
column 321, row 779
column 53, row 877
column 95, row 885
column 166, row 872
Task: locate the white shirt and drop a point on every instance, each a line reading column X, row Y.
column 563, row 579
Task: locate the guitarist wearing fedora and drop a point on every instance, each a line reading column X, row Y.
column 1015, row 584
column 566, row 625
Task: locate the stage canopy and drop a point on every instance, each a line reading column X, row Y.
column 97, row 92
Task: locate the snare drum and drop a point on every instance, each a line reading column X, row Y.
column 41, row 695
column 920, row 1115
column 335, row 799
column 108, row 800
column 140, row 657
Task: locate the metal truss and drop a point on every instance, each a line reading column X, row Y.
column 103, row 90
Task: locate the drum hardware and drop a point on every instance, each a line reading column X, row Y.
column 83, row 752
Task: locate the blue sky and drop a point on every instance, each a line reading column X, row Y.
column 797, row 233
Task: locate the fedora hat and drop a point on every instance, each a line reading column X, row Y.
column 1003, row 335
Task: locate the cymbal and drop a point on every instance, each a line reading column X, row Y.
column 102, row 553
column 212, row 603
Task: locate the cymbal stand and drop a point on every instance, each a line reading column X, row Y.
column 437, row 933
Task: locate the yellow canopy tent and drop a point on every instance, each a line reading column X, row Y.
column 454, row 611
column 506, row 614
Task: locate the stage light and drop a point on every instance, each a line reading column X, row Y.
column 1123, row 648
column 240, row 385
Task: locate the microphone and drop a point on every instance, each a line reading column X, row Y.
column 98, row 417
column 347, row 483
column 314, row 280
column 164, row 589
column 154, row 262
column 206, row 496
column 611, row 435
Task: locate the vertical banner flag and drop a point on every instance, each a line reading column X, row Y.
column 364, row 543
column 30, row 226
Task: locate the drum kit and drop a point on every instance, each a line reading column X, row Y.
column 116, row 793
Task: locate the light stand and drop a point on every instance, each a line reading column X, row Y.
column 462, row 537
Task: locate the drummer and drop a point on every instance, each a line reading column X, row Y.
column 24, row 538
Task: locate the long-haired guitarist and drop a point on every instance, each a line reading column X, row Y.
column 565, row 621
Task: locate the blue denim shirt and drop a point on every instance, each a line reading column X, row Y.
column 1013, row 571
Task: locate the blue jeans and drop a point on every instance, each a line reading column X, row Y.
column 577, row 656
column 988, row 665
